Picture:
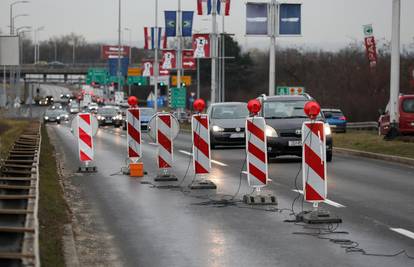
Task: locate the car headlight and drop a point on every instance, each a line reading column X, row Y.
column 270, row 132
column 327, row 129
column 217, row 128
column 100, row 118
column 66, row 116
column 58, row 118
column 46, row 117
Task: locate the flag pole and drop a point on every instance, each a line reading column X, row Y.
column 214, row 52
column 179, row 48
column 156, row 64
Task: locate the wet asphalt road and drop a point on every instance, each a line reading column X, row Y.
column 170, row 227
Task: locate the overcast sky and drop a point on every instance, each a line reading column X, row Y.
column 327, row 24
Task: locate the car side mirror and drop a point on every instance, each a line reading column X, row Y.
column 328, row 115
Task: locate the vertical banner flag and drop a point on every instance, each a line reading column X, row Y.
column 168, row 59
column 257, row 19
column 189, row 62
column 204, row 7
column 290, row 19
column 170, row 23
column 370, row 45
column 201, row 45
column 149, row 37
column 187, row 23
column 147, row 68
column 223, row 5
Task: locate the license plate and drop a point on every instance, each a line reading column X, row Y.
column 237, row 135
column 332, row 126
column 108, row 121
column 295, row 143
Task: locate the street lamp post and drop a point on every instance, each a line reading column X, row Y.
column 130, row 57
column 11, row 14
column 36, row 45
column 119, row 46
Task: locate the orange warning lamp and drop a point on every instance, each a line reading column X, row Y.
column 199, row 105
column 254, row 106
column 312, row 109
column 132, row 101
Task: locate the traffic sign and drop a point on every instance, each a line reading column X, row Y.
column 290, row 90
column 189, row 63
column 178, row 97
column 139, row 80
column 368, row 31
column 184, row 79
column 134, row 72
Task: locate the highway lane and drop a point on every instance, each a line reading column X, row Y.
column 163, row 228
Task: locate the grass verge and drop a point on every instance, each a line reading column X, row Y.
column 369, row 141
column 9, row 131
column 53, row 213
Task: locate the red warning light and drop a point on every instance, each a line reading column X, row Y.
column 254, row 106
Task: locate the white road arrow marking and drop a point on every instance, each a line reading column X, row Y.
column 327, row 201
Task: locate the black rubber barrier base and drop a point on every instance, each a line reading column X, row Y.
column 204, row 184
column 165, row 178
column 87, row 169
column 254, row 199
column 317, row 217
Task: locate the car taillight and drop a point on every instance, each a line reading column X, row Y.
column 342, row 118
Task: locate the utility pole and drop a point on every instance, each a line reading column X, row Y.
column 156, row 63
column 223, row 60
column 119, row 46
column 272, row 54
column 198, row 78
column 179, row 48
column 214, row 52
column 395, row 69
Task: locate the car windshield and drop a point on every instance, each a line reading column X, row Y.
column 408, row 105
column 230, row 112
column 147, row 112
column 108, row 111
column 285, row 109
column 52, row 112
column 334, row 113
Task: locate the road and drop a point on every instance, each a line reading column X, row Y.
column 173, row 227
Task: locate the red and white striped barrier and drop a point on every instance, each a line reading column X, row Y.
column 134, row 134
column 201, row 144
column 164, row 141
column 314, row 161
column 85, row 139
column 256, row 149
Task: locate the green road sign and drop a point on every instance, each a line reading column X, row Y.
column 368, row 31
column 97, row 75
column 114, row 79
column 290, row 90
column 178, row 97
column 138, row 80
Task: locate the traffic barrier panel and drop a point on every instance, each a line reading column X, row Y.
column 201, row 144
column 134, row 134
column 256, row 149
column 164, row 138
column 314, row 161
column 85, row 140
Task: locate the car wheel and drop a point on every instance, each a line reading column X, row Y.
column 58, row 122
column 329, row 156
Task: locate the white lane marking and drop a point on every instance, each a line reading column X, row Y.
column 123, row 135
column 403, row 232
column 244, row 172
column 327, row 201
column 153, row 144
column 213, row 161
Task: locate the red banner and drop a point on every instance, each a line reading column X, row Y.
column 111, row 51
column 169, row 59
column 371, row 50
column 201, row 45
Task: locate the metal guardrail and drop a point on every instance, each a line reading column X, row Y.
column 367, row 125
column 19, row 201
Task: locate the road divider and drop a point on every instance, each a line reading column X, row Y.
column 404, row 232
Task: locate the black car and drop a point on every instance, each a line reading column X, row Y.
column 52, row 115
column 227, row 123
column 109, row 116
column 284, row 117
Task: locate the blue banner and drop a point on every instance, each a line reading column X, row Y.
column 290, row 19
column 187, row 23
column 256, row 19
column 113, row 66
column 170, row 23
